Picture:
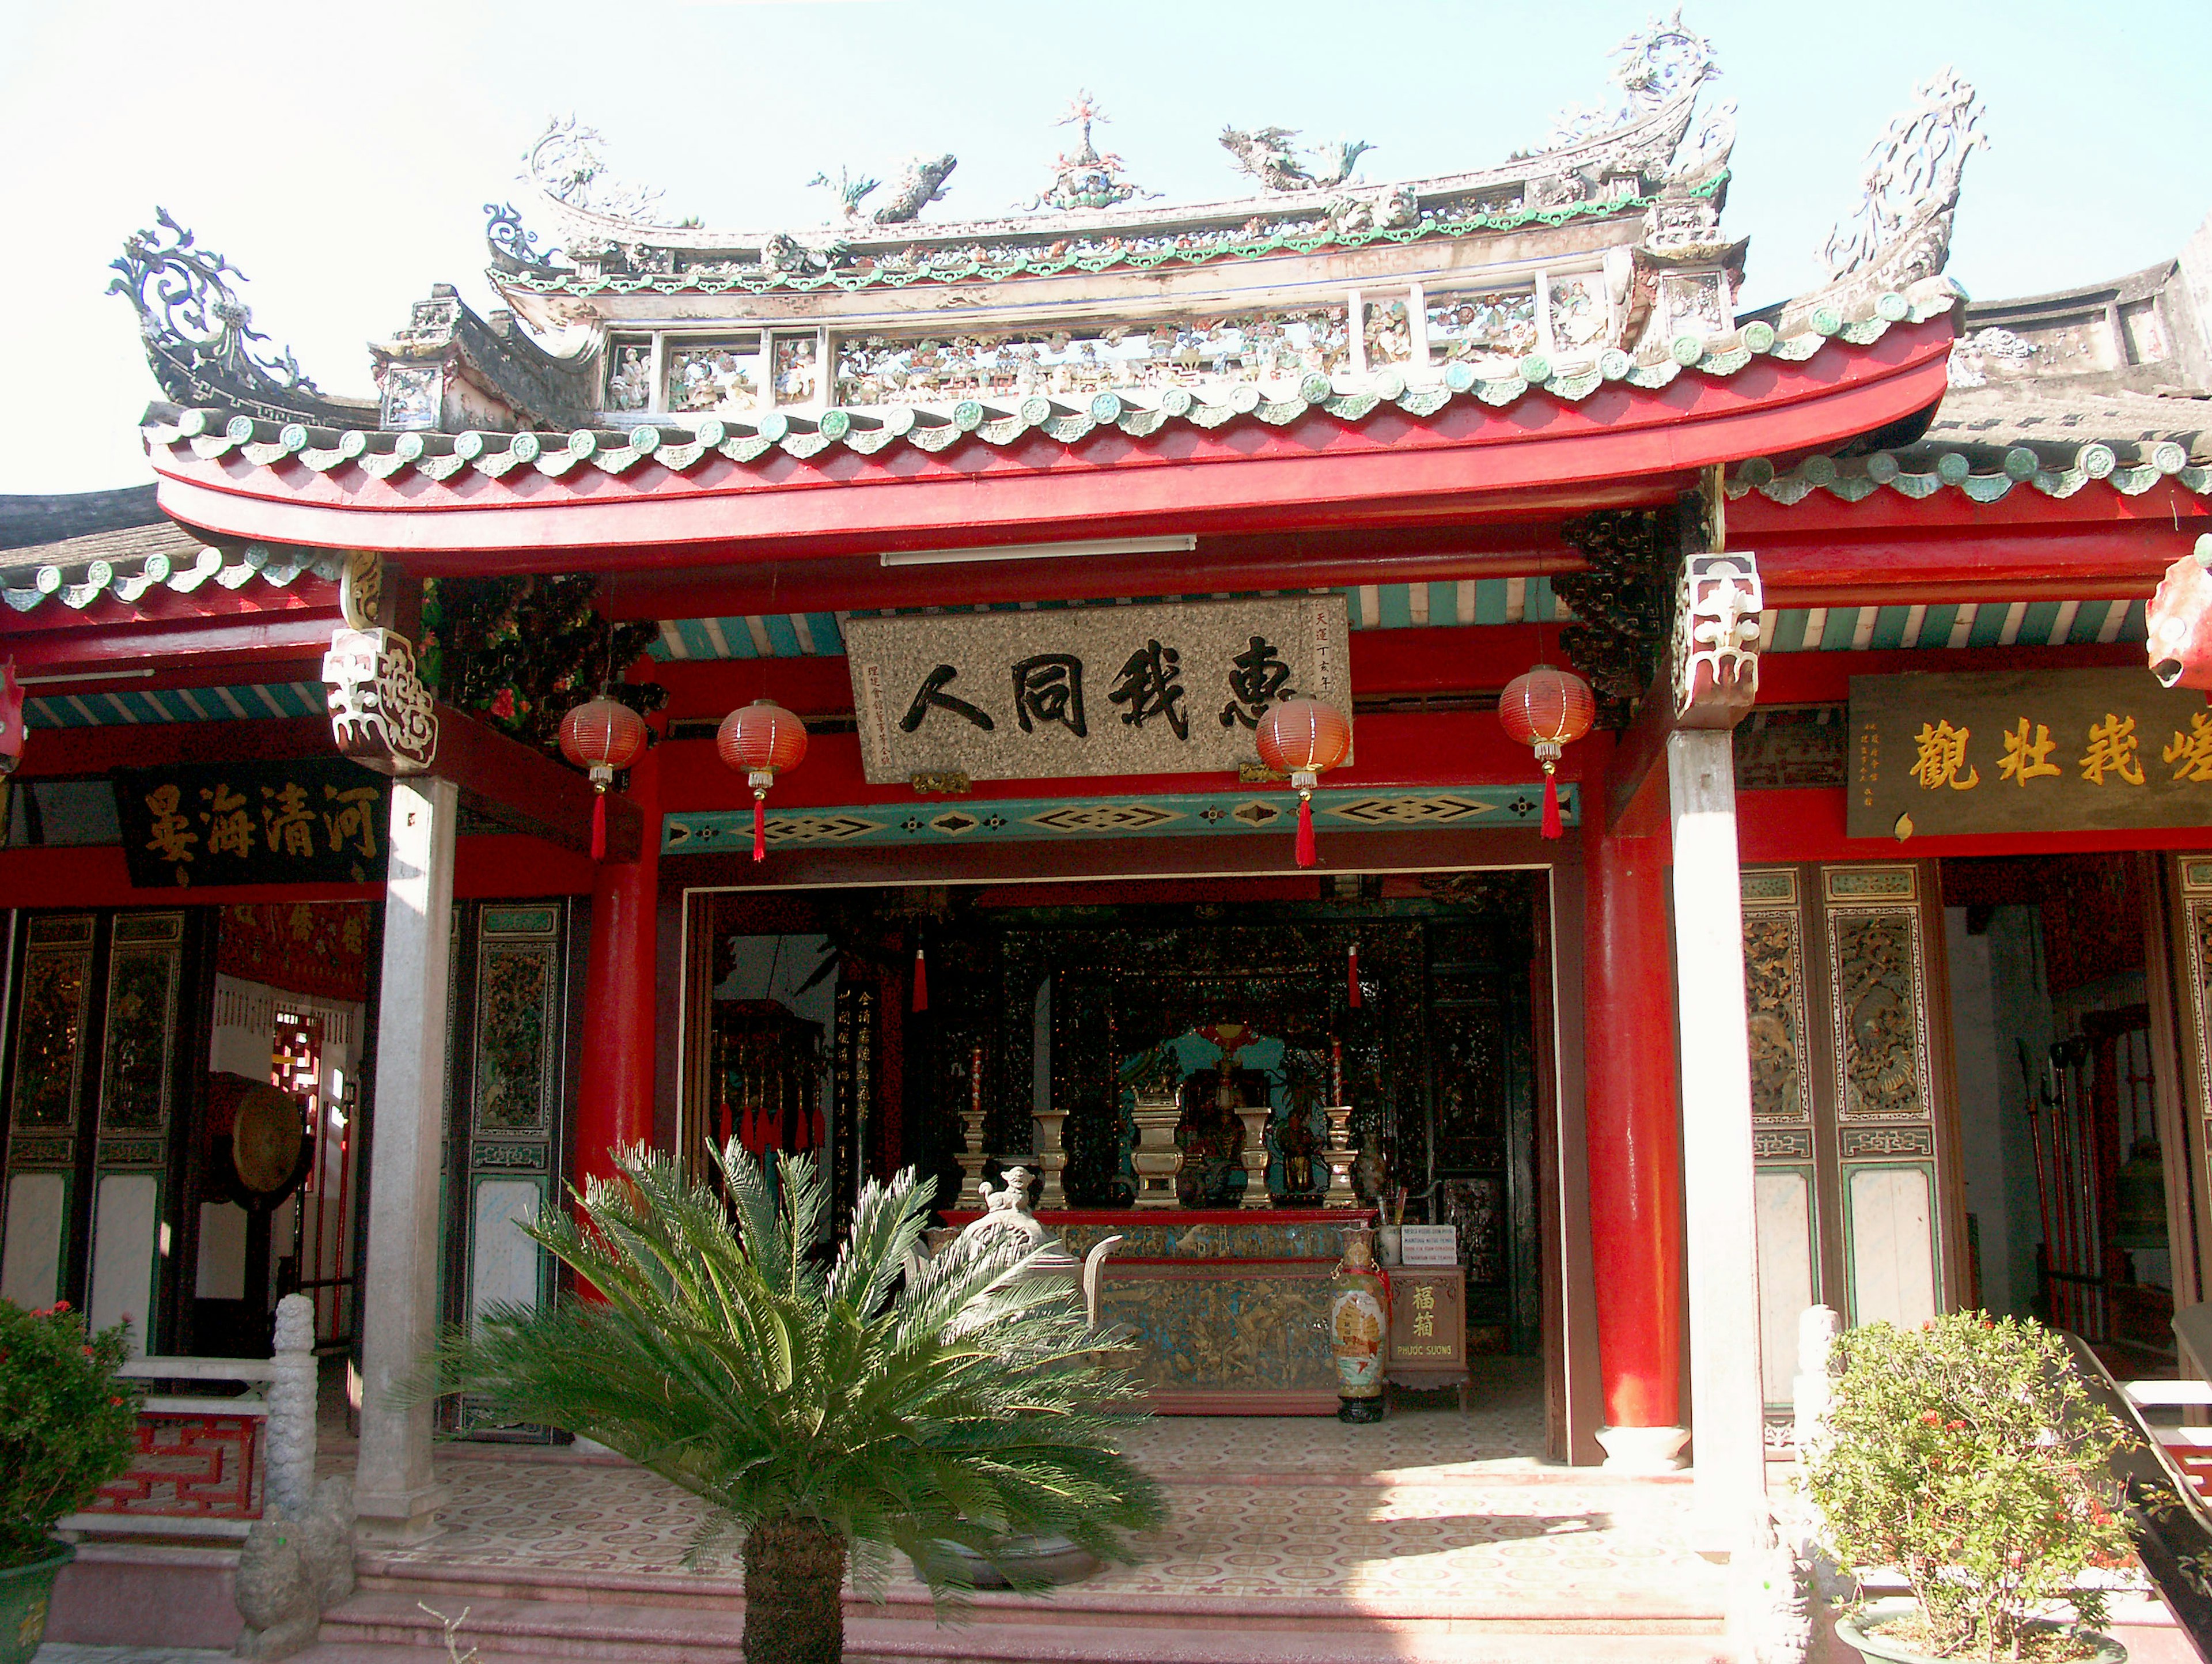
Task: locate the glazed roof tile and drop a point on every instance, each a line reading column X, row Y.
column 126, row 566
column 1985, row 441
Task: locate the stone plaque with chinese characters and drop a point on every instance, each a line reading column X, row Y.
column 317, row 820
column 2034, row 751
column 1173, row 688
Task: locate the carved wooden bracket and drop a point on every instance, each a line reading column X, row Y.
column 1714, row 660
column 380, row 714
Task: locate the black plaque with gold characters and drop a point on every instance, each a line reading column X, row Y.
column 2025, row 751
column 319, row 820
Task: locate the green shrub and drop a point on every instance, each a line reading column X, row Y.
column 67, row 1424
column 1967, row 1454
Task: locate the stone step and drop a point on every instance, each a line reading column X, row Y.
column 1602, row 1608
column 385, row 1626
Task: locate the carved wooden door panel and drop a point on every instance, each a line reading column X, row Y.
column 102, row 1079
column 510, row 1079
column 1856, row 1134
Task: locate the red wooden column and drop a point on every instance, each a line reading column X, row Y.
column 614, row 1090
column 1635, row 1158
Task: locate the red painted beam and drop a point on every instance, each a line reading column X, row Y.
column 2080, row 565
column 1821, row 678
column 244, row 647
column 160, row 606
column 62, row 753
column 1429, row 749
column 1289, row 561
column 1808, row 825
column 1316, row 471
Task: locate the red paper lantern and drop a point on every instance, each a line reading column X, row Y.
column 1547, row 709
column 1303, row 739
column 602, row 736
column 760, row 740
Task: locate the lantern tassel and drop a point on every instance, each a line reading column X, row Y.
column 1352, row 973
column 760, row 826
column 1553, row 827
column 921, row 981
column 598, row 826
column 1307, row 856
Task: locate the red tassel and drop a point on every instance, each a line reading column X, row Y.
column 1352, row 972
column 598, row 826
column 1306, row 856
column 1553, row 825
column 921, row 981
column 759, row 827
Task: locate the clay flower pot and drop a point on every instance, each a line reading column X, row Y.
column 1864, row 1631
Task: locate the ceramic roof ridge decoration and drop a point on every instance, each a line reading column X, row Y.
column 1092, row 198
column 1901, row 229
column 213, row 432
column 199, row 337
column 1601, row 261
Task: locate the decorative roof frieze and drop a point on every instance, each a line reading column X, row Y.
column 678, row 443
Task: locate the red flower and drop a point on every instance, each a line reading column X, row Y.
column 503, row 706
column 1932, row 1417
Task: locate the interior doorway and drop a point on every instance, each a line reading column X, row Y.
column 923, row 1025
column 2064, row 1167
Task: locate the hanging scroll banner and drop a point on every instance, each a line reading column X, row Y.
column 319, row 820
column 2025, row 752
column 1172, row 688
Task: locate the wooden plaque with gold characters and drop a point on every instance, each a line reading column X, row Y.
column 1428, row 1326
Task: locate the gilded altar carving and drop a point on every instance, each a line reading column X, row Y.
column 1874, row 962
column 1205, row 1331
column 1774, row 990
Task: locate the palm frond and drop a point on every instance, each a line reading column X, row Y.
column 963, row 1401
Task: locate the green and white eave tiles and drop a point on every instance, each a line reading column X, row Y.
column 253, row 701
column 1367, row 605
column 1489, row 601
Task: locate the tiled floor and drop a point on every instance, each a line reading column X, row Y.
column 1430, row 1511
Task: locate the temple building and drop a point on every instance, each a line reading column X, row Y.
column 1869, row 965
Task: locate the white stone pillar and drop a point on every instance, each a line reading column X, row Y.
column 393, row 1490
column 1727, row 1399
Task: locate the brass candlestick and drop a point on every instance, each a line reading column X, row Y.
column 1051, row 1156
column 1340, row 1155
column 1257, row 1123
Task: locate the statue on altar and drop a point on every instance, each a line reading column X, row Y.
column 1212, row 1135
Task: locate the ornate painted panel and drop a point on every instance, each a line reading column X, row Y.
column 1879, row 994
column 1774, row 988
column 518, row 986
column 145, row 967
column 49, row 1061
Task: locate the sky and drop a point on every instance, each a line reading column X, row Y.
column 340, row 155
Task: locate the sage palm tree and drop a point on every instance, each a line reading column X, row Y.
column 830, row 1408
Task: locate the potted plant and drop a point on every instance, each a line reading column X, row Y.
column 1968, row 1455
column 830, row 1408
column 67, row 1427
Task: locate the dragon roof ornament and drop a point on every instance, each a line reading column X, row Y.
column 1901, row 229
column 565, row 163
column 1267, row 154
column 1656, row 64
column 199, row 337
column 1087, row 178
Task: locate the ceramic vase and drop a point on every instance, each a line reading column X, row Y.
column 1358, row 1327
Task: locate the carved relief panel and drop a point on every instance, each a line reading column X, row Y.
column 1852, row 1115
